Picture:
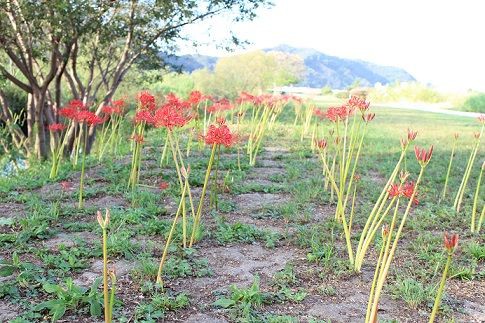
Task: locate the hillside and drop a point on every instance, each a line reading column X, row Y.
column 321, row 69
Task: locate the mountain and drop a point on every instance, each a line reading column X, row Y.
column 321, row 69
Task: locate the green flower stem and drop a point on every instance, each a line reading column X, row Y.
column 170, row 234
column 475, row 199
column 443, row 194
column 441, row 288
column 359, row 255
column 374, row 280
column 105, row 275
column 81, row 183
column 387, row 264
column 201, row 201
column 482, row 216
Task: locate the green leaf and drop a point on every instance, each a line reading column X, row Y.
column 6, row 270
column 224, row 303
column 6, row 221
column 50, row 288
column 95, row 308
column 57, row 311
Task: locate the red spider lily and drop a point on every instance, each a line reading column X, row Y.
column 403, row 176
column 88, row 117
column 412, row 135
column 195, row 97
column 319, row 113
column 219, row 136
column 71, row 110
column 359, row 103
column 422, row 155
column 245, row 97
column 338, row 113
column 77, row 104
column 138, row 138
column 322, row 144
column 450, row 241
column 146, row 100
column 56, row 127
column 68, row 112
column 481, row 119
column 221, row 105
column 408, row 190
column 385, row 230
column 163, row 186
column 66, row 186
column 144, row 116
column 111, row 109
column 404, row 143
column 477, row 135
column 170, row 116
column 368, row 117
column 118, row 103
column 172, row 99
column 395, row 190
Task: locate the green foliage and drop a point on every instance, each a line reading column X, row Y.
column 158, row 304
column 70, row 297
column 475, row 103
column 411, row 92
column 240, row 232
column 413, row 292
column 243, row 301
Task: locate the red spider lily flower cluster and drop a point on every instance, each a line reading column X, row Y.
column 422, row 155
column 368, row 117
column 450, row 242
column 196, row 97
column 481, row 119
column 66, row 186
column 146, row 100
column 55, row 127
column 71, row 110
column 319, row 113
column 322, row 144
column 338, row 113
column 174, row 113
column 163, row 185
column 145, row 116
column 407, row 190
column 412, row 135
column 220, row 105
column 138, row 138
column 358, row 103
column 86, row 116
column 77, row 111
column 115, row 107
column 220, row 135
column 395, row 190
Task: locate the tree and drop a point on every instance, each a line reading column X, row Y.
column 91, row 45
column 253, row 72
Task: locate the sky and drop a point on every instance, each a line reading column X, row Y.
column 439, row 42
